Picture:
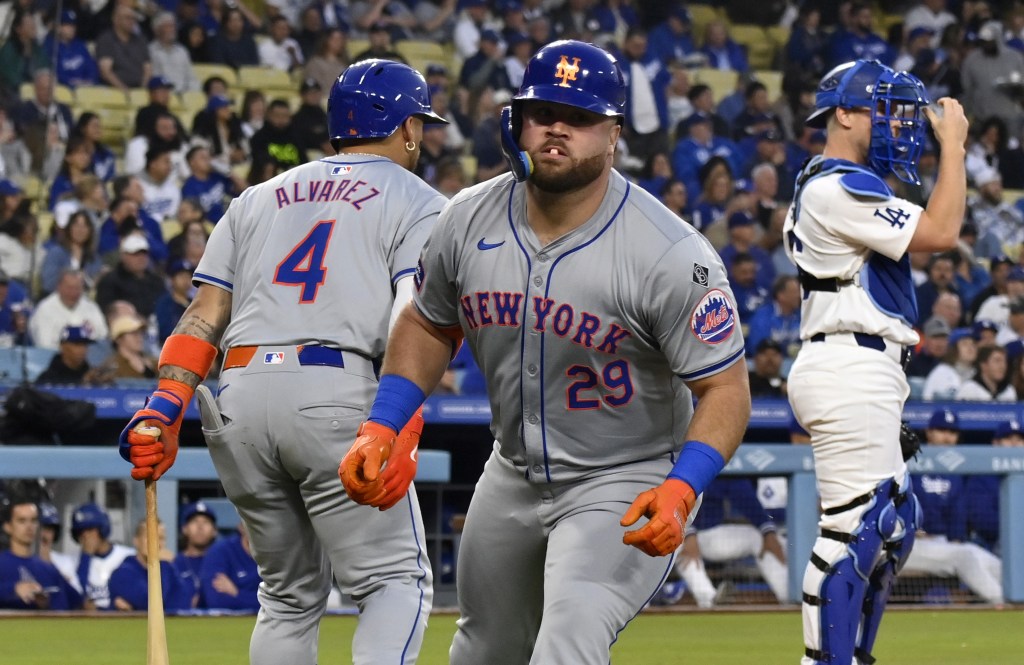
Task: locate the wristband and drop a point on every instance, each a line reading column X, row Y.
column 698, row 464
column 189, row 353
column 397, row 399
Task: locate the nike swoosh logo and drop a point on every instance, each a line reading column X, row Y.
column 483, row 245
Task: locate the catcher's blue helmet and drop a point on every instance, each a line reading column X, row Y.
column 892, row 97
column 90, row 516
column 566, row 72
column 372, row 98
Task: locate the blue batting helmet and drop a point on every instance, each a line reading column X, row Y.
column 566, row 72
column 90, row 516
column 372, row 98
column 891, row 97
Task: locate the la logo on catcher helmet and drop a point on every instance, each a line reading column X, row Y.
column 567, row 72
column 714, row 318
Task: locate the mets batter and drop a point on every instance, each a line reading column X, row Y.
column 595, row 315
column 849, row 234
column 298, row 286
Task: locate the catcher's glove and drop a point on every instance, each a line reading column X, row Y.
column 910, row 444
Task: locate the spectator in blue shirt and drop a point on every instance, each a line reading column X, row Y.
column 129, row 586
column 14, row 311
column 209, row 187
column 104, row 163
column 983, row 491
column 172, row 304
column 647, row 77
column 198, row 532
column 743, row 281
column 805, row 50
column 858, row 41
column 697, row 147
column 671, row 39
column 486, row 67
column 229, row 574
column 743, row 232
column 26, row 581
column 940, row 280
column 722, row 52
column 940, row 547
column 75, row 64
column 778, row 320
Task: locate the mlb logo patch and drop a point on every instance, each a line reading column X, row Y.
column 341, row 170
column 714, row 318
column 273, row 358
column 417, row 278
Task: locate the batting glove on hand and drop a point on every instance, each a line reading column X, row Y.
column 360, row 470
column 666, row 506
column 401, row 467
column 164, row 409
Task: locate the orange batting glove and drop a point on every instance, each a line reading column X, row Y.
column 360, row 469
column 401, row 467
column 164, row 409
column 666, row 506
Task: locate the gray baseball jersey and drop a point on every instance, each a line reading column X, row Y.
column 309, row 256
column 584, row 342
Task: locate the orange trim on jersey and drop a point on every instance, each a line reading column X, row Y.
column 190, row 353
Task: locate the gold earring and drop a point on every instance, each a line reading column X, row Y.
column 410, row 146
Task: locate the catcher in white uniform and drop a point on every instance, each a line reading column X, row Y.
column 849, row 235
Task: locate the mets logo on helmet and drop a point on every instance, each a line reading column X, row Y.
column 713, row 319
column 567, row 72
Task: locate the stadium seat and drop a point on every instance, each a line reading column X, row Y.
column 701, row 15
column 273, row 82
column 772, row 80
column 170, row 228
column 34, row 189
column 779, row 36
column 206, row 70
column 721, row 81
column 21, row 363
column 420, row 53
column 138, row 98
column 224, row 511
column 117, row 126
column 61, row 93
column 94, row 97
column 357, row 46
column 189, row 103
column 760, row 48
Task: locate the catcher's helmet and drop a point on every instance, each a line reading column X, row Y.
column 90, row 516
column 567, row 72
column 372, row 98
column 892, row 97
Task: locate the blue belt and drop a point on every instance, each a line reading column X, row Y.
column 875, row 342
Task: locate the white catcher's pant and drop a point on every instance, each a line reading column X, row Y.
column 850, row 399
column 976, row 567
column 728, row 542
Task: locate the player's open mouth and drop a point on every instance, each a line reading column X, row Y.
column 553, row 151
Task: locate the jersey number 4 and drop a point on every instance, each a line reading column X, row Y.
column 304, row 265
column 614, row 378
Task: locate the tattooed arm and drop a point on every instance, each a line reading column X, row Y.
column 205, row 319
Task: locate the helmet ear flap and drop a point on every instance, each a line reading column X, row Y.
column 518, row 160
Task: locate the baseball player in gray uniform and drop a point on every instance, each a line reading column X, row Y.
column 298, row 285
column 596, row 316
column 849, row 234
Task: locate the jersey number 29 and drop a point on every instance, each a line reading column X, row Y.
column 615, row 378
column 304, row 265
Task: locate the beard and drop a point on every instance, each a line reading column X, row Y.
column 581, row 173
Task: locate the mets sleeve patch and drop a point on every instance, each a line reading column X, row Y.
column 714, row 318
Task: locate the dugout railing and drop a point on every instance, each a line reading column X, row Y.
column 793, row 462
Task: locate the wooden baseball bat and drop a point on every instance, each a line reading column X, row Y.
column 156, row 631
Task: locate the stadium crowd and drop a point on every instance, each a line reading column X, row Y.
column 105, row 207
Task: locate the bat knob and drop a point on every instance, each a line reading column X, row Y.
column 148, row 431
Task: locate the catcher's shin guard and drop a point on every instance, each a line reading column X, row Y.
column 895, row 552
column 837, row 578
